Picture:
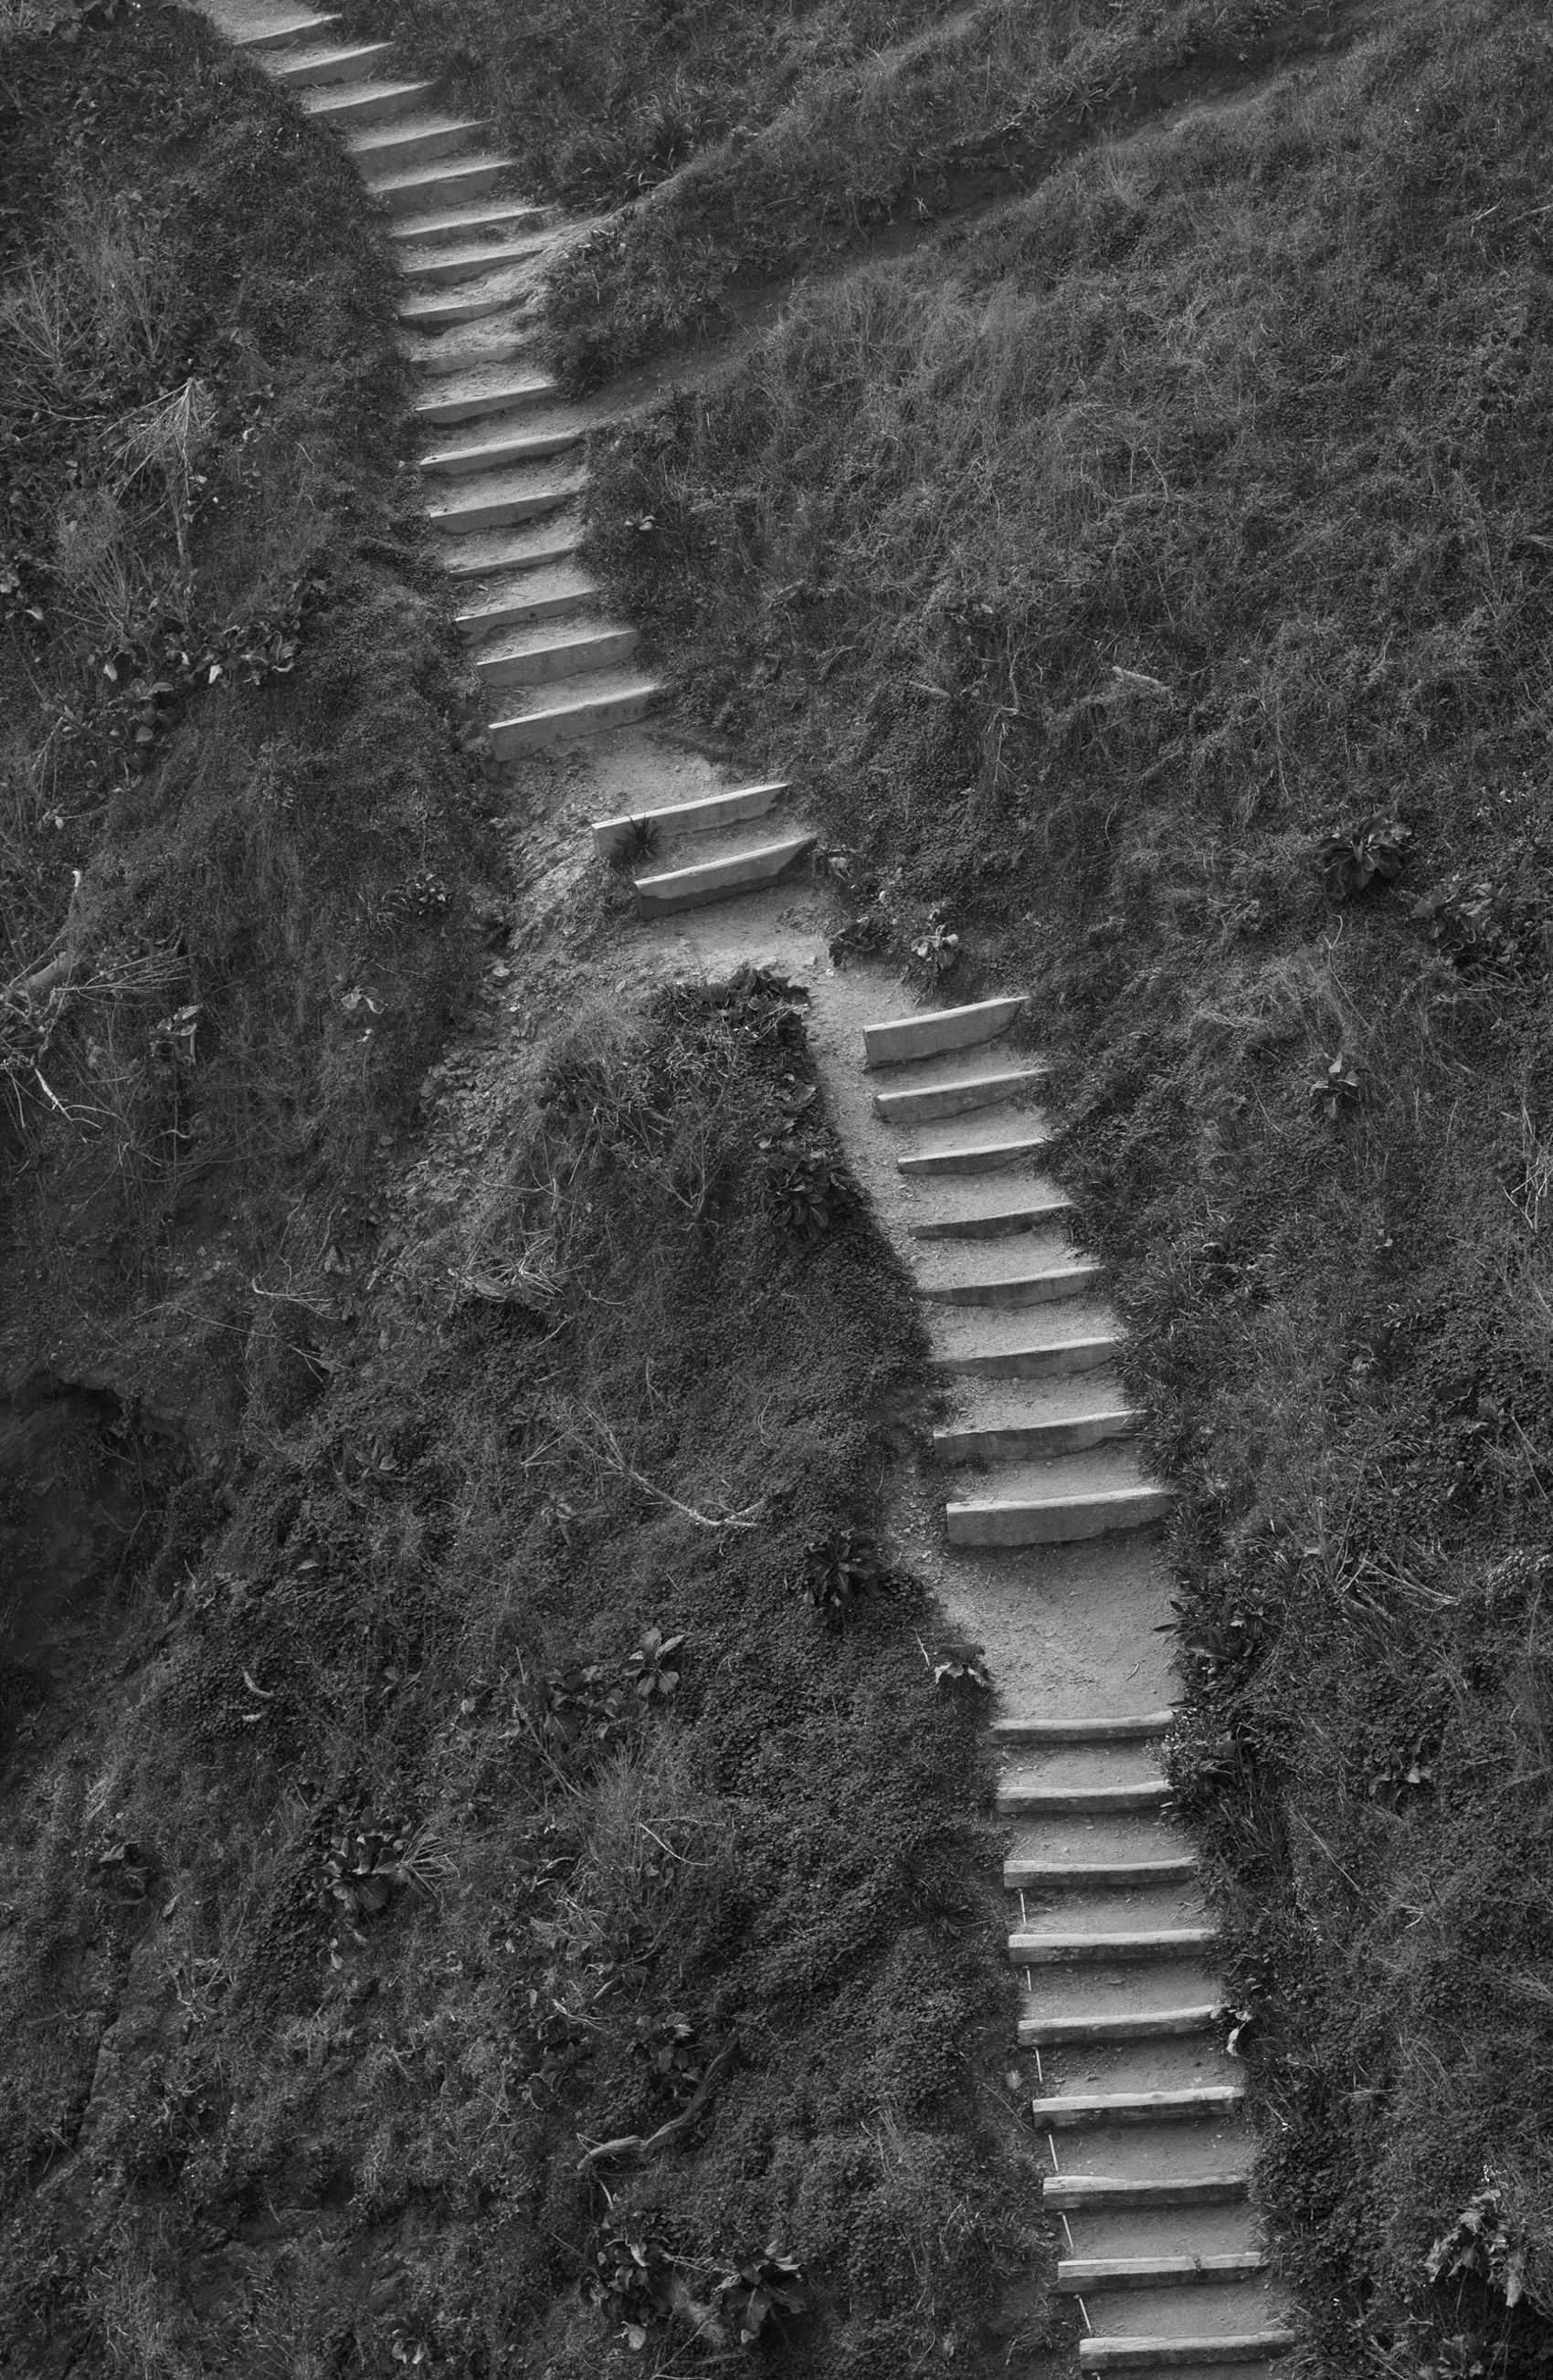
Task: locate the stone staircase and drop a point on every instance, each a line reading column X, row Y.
column 1045, row 1545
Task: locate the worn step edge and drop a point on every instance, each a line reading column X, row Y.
column 1033, row 1288
column 897, row 1039
column 371, row 148
column 1034, row 1440
column 504, row 453
column 364, row 103
column 464, row 517
column 1034, row 1800
column 1133, row 1944
column 276, row 36
column 1075, row 2192
column 715, row 880
column 450, row 311
column 310, row 68
column 519, row 611
column 741, row 802
column 1054, row 1520
column 553, row 722
column 446, row 272
column 1151, row 2354
column 472, row 176
column 1028, row 1215
column 1075, row 2274
column 1096, row 1875
column 1199, row 2104
column 1126, row 1726
column 508, row 396
column 980, row 1157
column 1146, row 2025
column 931, row 1099
column 1084, row 1352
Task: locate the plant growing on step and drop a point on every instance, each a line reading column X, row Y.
column 637, row 846
column 839, row 1569
column 1340, row 1089
column 1353, row 858
column 809, row 1194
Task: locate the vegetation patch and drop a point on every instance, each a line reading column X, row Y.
column 1155, row 591
column 505, row 1927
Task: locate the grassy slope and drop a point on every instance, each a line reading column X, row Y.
column 227, row 683
column 1086, row 573
column 341, row 2142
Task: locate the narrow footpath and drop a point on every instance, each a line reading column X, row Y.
column 1029, row 1513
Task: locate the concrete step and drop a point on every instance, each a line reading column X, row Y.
column 1078, row 1349
column 1204, row 2102
column 1097, row 1875
column 540, row 655
column 506, row 293
column 1054, row 1520
column 405, row 191
column 445, row 268
column 740, row 804
column 471, row 396
column 927, row 1100
column 1120, row 1727
column 387, row 154
column 498, row 449
column 294, row 70
column 499, row 499
column 604, row 698
column 281, row 30
column 1087, row 2031
column 1089, row 2193
column 436, row 226
column 524, row 596
column 1044, row 1948
column 1168, row 2352
column 988, row 1211
column 749, row 870
column 1014, row 1799
column 891, row 1043
column 981, row 1156
column 1035, row 1285
column 1078, row 2275
column 543, row 540
column 365, row 103
column 1036, row 1441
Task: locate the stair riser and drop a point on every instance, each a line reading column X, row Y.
column 557, row 662
column 1053, row 2117
column 973, row 1160
column 313, row 74
column 502, row 454
column 347, row 108
column 1055, row 2033
column 1061, row 1525
column 439, row 412
column 277, row 37
column 1077, row 2194
column 1109, row 1950
column 449, row 271
column 723, row 887
column 500, row 218
column 1032, row 1363
column 501, row 512
column 992, row 1226
column 386, row 157
column 1078, row 1801
column 953, row 1099
column 612, row 835
column 1032, row 1441
column 1169, row 2274
column 449, row 313
column 1135, row 1727
column 892, row 1044
column 475, row 627
column 1036, row 1288
column 1163, row 2355
column 510, row 737
column 1117, row 1875
column 414, row 198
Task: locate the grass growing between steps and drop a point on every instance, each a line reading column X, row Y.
column 1088, row 576
column 491, row 1792
column 235, row 825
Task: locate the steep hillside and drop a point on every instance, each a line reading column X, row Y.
column 1152, row 585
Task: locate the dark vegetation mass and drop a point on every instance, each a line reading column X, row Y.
column 1153, row 585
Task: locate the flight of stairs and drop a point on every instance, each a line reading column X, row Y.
column 1138, row 2104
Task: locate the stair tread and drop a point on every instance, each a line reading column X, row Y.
column 514, row 597
column 332, row 99
column 436, row 172
column 466, row 449
column 787, row 845
column 1123, row 1727
column 556, row 483
column 897, row 1038
column 403, row 132
column 315, row 61
column 473, row 555
column 484, row 384
column 564, row 695
column 966, row 1209
column 475, row 215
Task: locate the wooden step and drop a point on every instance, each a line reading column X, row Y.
column 481, row 216
column 1083, row 2192
column 1142, row 2354
column 536, row 595
column 1096, row 1875
column 1015, row 1801
column 617, row 701
column 1054, row 1520
column 392, row 151
column 402, row 192
column 1078, row 2275
column 473, row 396
column 1149, row 2024
column 539, row 656
column 978, row 1157
column 477, row 301
column 1036, row 1287
column 546, row 541
column 717, row 879
column 282, row 30
column 1130, row 1947
column 1034, row 1440
column 364, row 103
column 504, row 500
column 1204, row 2102
column 731, row 809
column 1018, row 1215
column 935, row 1029
column 308, row 67
column 1125, row 1727
column 920, row 1106
column 445, row 268
column 502, row 451
column 1078, row 1351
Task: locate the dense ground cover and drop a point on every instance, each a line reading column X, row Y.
column 1156, row 583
